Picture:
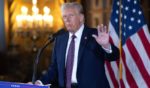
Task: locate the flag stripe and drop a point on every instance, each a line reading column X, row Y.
column 114, row 35
column 132, row 66
column 122, row 84
column 115, row 68
column 124, row 78
column 142, row 52
column 112, row 76
column 138, row 61
column 128, row 75
column 145, row 41
column 108, row 77
column 147, row 33
column 118, row 62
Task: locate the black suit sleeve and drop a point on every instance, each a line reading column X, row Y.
column 114, row 55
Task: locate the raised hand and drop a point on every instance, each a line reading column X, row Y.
column 103, row 36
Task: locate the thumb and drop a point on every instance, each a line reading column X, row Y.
column 94, row 36
column 38, row 82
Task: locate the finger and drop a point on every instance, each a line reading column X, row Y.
column 98, row 29
column 29, row 83
column 101, row 28
column 48, row 84
column 105, row 29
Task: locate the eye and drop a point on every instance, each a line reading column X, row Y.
column 71, row 15
column 64, row 17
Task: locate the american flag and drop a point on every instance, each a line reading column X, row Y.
column 135, row 46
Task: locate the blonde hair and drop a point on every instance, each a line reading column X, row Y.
column 72, row 5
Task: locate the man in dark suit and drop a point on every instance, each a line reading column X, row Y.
column 90, row 49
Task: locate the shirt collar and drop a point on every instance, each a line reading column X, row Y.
column 78, row 34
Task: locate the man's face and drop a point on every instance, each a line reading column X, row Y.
column 72, row 19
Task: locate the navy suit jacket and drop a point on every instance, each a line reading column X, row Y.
column 90, row 65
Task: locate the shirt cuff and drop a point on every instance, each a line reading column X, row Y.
column 108, row 50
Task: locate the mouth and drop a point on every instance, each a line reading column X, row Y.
column 68, row 25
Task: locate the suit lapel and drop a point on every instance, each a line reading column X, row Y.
column 64, row 41
column 84, row 40
column 64, row 46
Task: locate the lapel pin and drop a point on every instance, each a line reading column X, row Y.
column 85, row 37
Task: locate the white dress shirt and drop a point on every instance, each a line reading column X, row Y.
column 78, row 35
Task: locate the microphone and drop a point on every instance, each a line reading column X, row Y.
column 51, row 38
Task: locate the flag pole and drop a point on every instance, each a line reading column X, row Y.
column 120, row 35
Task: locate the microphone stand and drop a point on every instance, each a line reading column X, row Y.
column 50, row 40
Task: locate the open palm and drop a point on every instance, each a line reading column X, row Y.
column 103, row 36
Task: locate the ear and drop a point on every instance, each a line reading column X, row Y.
column 81, row 18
